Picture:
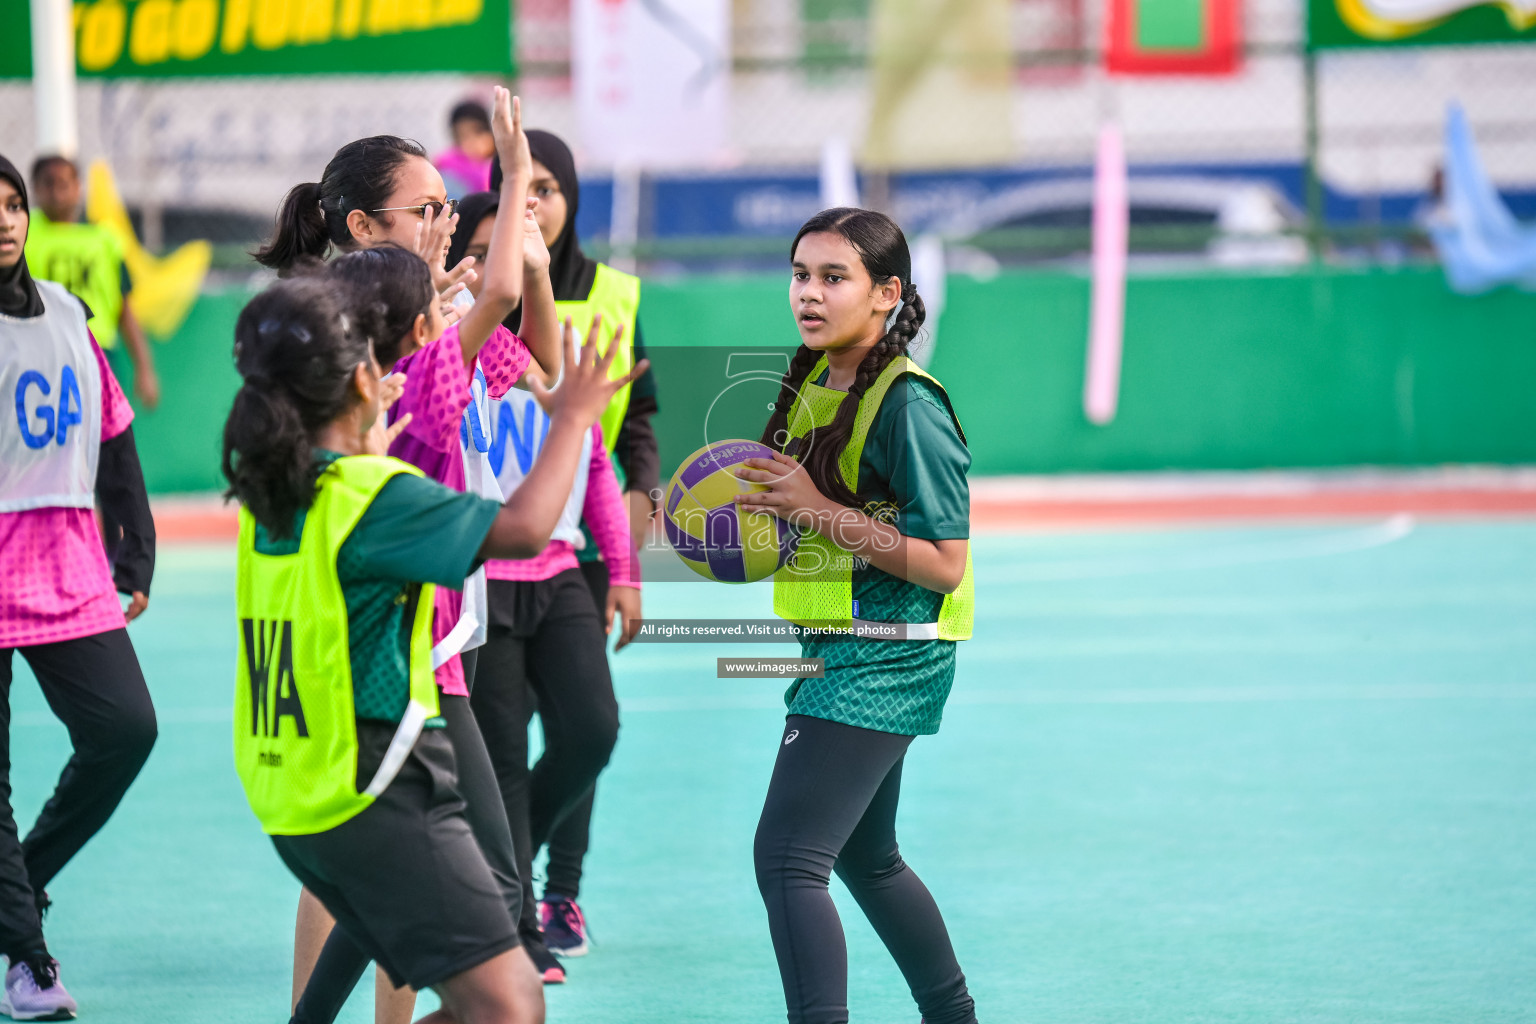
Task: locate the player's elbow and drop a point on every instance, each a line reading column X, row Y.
column 949, row 582
column 949, row 572
column 511, row 538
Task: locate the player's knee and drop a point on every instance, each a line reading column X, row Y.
column 605, row 736
column 125, row 744
column 860, row 869
column 586, row 752
column 137, row 736
column 781, row 861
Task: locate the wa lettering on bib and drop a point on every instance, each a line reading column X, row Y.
column 50, row 407
column 274, row 692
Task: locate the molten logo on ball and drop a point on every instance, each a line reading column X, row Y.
column 710, row 533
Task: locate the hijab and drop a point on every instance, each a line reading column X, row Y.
column 570, row 271
column 19, row 296
column 472, row 209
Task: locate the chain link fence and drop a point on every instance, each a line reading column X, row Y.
column 211, row 158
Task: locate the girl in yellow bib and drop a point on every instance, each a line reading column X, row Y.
column 335, row 732
column 873, row 471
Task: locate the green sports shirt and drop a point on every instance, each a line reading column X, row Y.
column 913, row 463
column 415, row 531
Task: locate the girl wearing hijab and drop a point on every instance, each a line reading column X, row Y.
column 549, row 649
column 586, row 291
column 69, row 446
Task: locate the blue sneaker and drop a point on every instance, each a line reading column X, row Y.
column 565, row 927
column 33, row 991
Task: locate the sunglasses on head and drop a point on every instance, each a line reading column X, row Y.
column 438, row 209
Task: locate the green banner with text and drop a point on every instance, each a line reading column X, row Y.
column 175, row 38
column 1350, row 23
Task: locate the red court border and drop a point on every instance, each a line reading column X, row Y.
column 207, row 521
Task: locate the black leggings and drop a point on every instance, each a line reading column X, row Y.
column 94, row 686
column 342, row 962
column 573, row 834
column 547, row 650
column 832, row 806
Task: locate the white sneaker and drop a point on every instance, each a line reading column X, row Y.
column 33, row 991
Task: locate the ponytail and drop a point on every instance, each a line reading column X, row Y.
column 297, row 349
column 883, row 249
column 267, row 458
column 301, row 233
column 313, row 216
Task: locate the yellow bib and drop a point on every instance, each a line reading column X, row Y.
column 295, row 727
column 816, row 587
column 616, row 296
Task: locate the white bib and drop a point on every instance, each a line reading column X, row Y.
column 521, row 427
column 474, row 430
column 50, row 407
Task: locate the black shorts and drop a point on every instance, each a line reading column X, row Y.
column 406, row 878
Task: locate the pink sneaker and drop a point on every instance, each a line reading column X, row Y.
column 565, row 928
column 33, row 991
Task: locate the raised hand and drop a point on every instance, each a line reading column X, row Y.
column 511, row 142
column 432, row 237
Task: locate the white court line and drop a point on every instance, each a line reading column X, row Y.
column 1251, row 694
column 1338, row 543
column 1166, row 484
column 1309, row 642
column 1229, row 606
column 1164, row 695
column 1161, row 695
column 998, row 698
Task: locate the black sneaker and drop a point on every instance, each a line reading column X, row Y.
column 544, row 961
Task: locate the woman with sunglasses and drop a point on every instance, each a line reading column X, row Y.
column 384, row 191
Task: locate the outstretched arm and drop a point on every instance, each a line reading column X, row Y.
column 502, row 289
column 540, row 329
column 937, row 565
column 523, row 526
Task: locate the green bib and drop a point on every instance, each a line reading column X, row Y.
column 86, row 259
column 816, row 587
column 615, row 295
column 295, row 727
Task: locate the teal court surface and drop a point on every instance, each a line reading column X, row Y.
column 1236, row 774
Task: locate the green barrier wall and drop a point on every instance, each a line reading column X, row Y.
column 1220, row 372
column 179, row 443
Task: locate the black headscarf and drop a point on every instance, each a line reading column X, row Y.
column 570, row 271
column 19, row 296
column 472, row 209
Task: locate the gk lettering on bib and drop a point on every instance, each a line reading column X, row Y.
column 50, row 420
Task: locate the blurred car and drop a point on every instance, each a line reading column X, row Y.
column 1237, row 222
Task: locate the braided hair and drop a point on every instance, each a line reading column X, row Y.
column 883, row 250
column 297, row 347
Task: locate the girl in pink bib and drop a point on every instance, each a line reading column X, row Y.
column 68, row 445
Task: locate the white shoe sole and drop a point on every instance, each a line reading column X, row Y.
column 574, row 951
column 63, row 1013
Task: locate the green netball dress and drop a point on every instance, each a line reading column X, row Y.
column 908, row 459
